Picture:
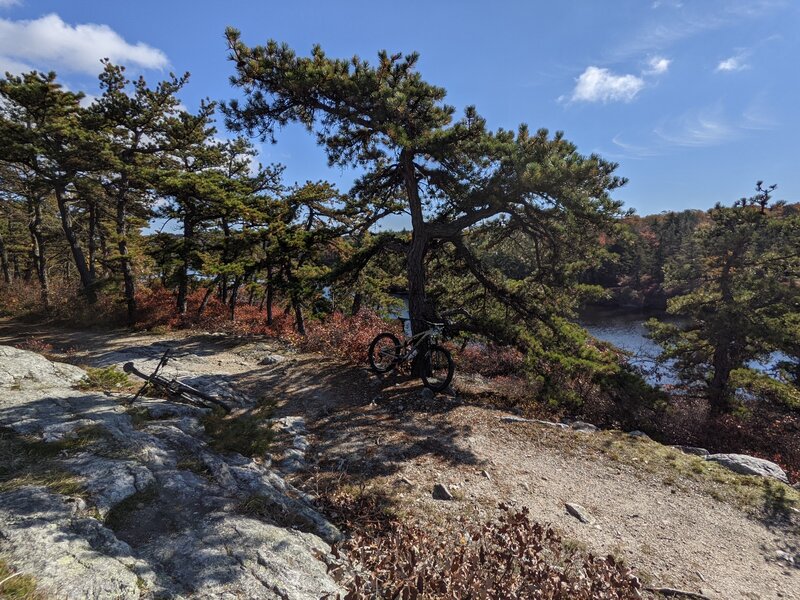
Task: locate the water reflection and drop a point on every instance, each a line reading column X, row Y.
column 626, row 330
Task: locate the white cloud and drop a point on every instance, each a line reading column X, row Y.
column 657, row 65
column 50, row 43
column 601, row 85
column 9, row 3
column 12, row 66
column 734, row 63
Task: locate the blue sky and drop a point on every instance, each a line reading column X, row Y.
column 695, row 100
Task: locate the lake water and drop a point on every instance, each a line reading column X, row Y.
column 627, row 331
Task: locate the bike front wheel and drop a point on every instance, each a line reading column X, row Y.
column 384, row 352
column 438, row 369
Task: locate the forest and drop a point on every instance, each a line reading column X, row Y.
column 129, row 210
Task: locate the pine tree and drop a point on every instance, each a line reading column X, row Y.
column 449, row 175
column 741, row 296
column 51, row 143
column 134, row 123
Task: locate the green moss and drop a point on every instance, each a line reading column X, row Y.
column 248, row 433
column 107, row 379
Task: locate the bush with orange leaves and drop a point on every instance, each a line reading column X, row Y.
column 346, row 337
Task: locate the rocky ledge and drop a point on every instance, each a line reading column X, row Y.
column 100, row 501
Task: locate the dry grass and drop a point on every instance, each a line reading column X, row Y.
column 18, row 587
column 28, row 461
column 677, row 469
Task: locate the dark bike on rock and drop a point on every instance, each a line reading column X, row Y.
column 387, row 352
column 175, row 391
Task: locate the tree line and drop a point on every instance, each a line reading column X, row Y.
column 517, row 227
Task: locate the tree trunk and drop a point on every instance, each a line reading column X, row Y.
column 37, row 250
column 15, row 259
column 4, row 266
column 125, row 261
column 719, row 392
column 183, row 273
column 237, row 282
column 357, row 299
column 270, row 294
column 207, row 297
column 91, row 242
column 87, row 281
column 298, row 315
column 415, row 259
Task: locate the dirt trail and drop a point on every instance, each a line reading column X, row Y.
column 387, row 432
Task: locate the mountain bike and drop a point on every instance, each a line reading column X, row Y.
column 387, row 352
column 175, row 390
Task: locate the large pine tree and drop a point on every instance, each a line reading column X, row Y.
column 449, row 175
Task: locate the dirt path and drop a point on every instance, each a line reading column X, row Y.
column 389, row 434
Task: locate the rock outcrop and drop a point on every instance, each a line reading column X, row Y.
column 749, row 465
column 160, row 512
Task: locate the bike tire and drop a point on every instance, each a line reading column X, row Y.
column 392, row 359
column 438, row 368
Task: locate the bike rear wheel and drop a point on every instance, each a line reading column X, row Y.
column 384, row 352
column 438, row 369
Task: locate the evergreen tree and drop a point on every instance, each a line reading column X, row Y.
column 448, row 175
column 52, row 144
column 742, row 297
column 134, row 123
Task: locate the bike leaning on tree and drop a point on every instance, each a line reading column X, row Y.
column 387, row 352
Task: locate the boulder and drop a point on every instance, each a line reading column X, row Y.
column 749, row 465
column 181, row 519
column 22, row 368
column 515, row 419
column 639, row 434
column 69, row 555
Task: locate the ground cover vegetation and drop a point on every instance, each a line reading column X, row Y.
column 132, row 210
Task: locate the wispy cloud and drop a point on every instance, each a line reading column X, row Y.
column 601, row 85
column 706, row 128
column 634, row 150
column 49, row 42
column 686, row 20
column 695, row 129
column 9, row 3
column 667, row 4
column 732, row 63
column 657, row 65
column 738, row 61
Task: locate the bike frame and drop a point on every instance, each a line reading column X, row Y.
column 416, row 341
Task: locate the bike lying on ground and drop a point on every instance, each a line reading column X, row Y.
column 386, row 352
column 175, row 390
